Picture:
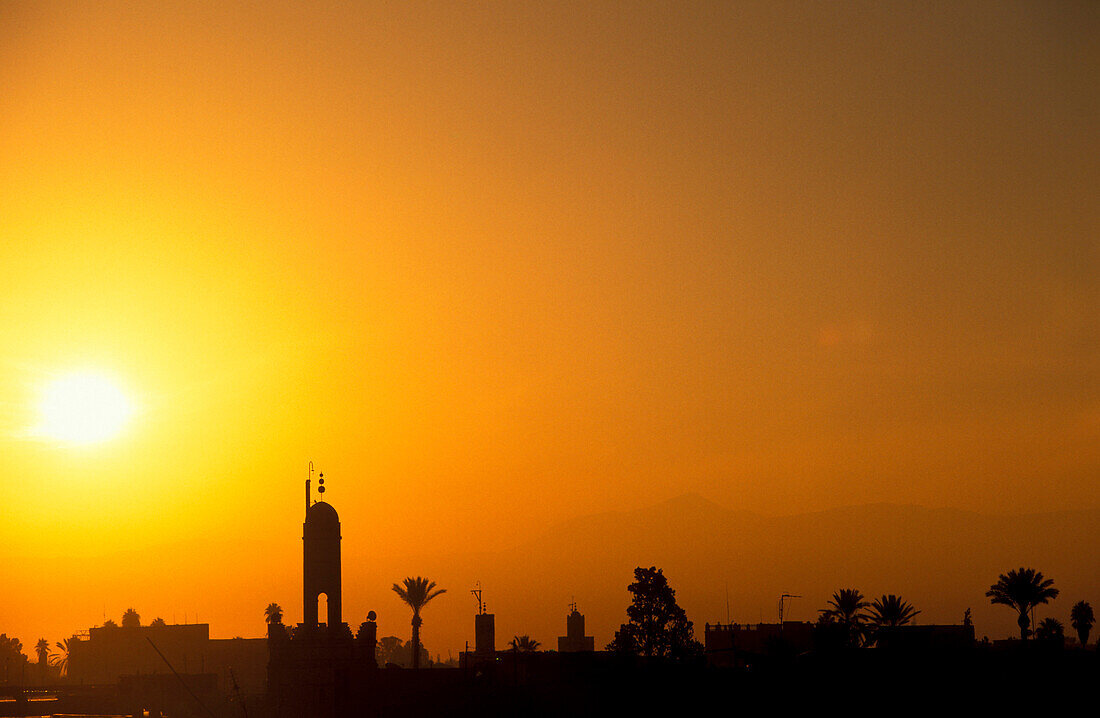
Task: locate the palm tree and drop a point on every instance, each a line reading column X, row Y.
column 158, row 622
column 61, row 660
column 1022, row 589
column 845, row 607
column 131, row 619
column 525, row 644
column 416, row 593
column 891, row 611
column 1081, row 618
column 1050, row 629
column 273, row 613
column 42, row 648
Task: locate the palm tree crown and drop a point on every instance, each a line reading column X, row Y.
column 273, row 613
column 525, row 644
column 890, row 610
column 61, row 659
column 416, row 593
column 1022, row 589
column 845, row 607
column 1081, row 618
column 1050, row 629
column 42, row 648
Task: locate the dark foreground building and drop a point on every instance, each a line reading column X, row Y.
column 108, row 654
column 733, row 645
column 321, row 670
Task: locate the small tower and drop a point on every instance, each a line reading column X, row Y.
column 321, row 560
column 322, row 673
column 485, row 632
column 574, row 640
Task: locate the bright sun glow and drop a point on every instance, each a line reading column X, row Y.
column 83, row 408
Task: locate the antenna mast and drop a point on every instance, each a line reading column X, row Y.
column 477, row 595
column 782, row 599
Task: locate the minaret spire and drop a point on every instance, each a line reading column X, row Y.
column 308, row 475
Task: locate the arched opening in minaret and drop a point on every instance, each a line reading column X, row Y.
column 322, row 608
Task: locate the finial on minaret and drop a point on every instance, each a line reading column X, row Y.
column 321, row 485
column 309, row 474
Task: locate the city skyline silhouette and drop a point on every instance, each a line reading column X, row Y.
column 780, row 298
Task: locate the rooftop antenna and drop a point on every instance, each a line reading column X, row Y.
column 573, row 604
column 477, row 594
column 728, row 603
column 309, row 475
column 786, row 597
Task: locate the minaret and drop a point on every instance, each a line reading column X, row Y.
column 574, row 640
column 321, row 559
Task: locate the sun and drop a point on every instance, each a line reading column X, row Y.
column 83, row 408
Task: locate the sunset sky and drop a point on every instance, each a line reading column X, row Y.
column 492, row 266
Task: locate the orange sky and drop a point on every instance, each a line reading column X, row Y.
column 495, row 266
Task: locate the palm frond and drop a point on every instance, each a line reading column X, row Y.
column 416, row 592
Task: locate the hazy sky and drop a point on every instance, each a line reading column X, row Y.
column 494, row 265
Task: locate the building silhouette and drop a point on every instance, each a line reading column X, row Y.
column 574, row 640
column 108, row 654
column 321, row 564
column 485, row 632
column 734, row 645
column 318, row 669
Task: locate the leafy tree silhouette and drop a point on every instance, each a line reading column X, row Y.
column 388, row 650
column 110, row 624
column 1081, row 618
column 845, row 609
column 1050, row 629
column 11, row 655
column 158, row 622
column 656, row 626
column 416, row 593
column 525, row 644
column 131, row 619
column 1022, row 589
